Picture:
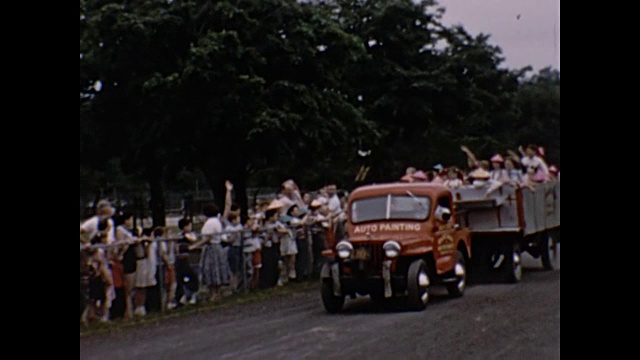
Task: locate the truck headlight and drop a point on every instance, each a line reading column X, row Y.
column 391, row 249
column 344, row 249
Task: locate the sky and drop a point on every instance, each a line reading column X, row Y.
column 527, row 31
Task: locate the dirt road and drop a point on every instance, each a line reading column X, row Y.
column 491, row 321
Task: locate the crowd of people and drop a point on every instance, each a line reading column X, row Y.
column 123, row 267
column 281, row 241
column 526, row 169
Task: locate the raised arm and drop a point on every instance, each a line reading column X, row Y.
column 471, row 158
column 513, row 155
column 521, row 151
column 227, row 200
column 297, row 199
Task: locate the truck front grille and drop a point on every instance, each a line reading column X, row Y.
column 375, row 255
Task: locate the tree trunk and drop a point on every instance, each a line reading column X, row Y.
column 240, row 188
column 216, row 182
column 157, row 202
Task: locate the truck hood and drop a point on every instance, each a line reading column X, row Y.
column 386, row 237
column 412, row 244
column 383, row 231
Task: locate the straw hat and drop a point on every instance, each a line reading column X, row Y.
column 275, row 204
column 419, row 175
column 406, row 178
column 104, row 207
column 479, row 174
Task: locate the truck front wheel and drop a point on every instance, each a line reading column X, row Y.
column 457, row 289
column 418, row 285
column 331, row 302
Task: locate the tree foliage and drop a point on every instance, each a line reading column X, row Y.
column 260, row 91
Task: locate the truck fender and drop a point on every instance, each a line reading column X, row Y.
column 464, row 248
column 325, row 272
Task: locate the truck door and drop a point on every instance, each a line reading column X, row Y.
column 445, row 243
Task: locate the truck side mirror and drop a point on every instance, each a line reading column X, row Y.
column 443, row 214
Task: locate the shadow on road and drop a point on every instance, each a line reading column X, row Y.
column 364, row 304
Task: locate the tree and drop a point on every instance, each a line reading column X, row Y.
column 538, row 100
column 429, row 87
column 265, row 81
column 260, row 91
column 230, row 87
column 130, row 53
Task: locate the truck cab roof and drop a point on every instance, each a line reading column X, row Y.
column 418, row 188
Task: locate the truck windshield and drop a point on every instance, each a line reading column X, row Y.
column 406, row 207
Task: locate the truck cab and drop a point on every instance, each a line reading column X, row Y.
column 402, row 239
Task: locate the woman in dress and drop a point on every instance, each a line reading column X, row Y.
column 214, row 265
column 128, row 235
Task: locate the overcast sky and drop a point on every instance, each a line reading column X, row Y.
column 533, row 39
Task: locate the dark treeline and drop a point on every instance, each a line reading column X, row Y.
column 258, row 91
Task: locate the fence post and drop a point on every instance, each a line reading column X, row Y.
column 161, row 277
column 139, row 213
column 245, row 288
column 189, row 202
column 310, row 254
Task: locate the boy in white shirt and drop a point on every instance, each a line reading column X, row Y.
column 101, row 225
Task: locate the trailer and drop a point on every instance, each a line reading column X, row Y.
column 507, row 221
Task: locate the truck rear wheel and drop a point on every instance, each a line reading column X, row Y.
column 457, row 289
column 548, row 251
column 418, row 285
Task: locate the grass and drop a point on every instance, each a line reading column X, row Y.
column 204, row 307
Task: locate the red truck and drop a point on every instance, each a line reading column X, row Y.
column 404, row 238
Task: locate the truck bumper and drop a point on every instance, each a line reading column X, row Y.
column 373, row 285
column 381, row 283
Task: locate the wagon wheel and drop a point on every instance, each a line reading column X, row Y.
column 513, row 264
column 548, row 251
